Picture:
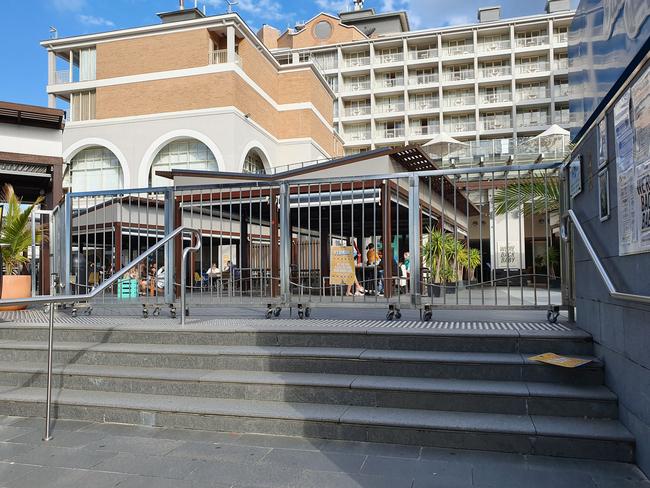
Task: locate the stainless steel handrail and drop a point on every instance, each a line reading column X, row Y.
column 594, row 257
column 53, row 299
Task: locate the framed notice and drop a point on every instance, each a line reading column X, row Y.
column 342, row 270
column 603, row 195
column 575, row 177
column 602, row 143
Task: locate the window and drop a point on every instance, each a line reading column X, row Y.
column 322, row 30
column 181, row 154
column 94, row 168
column 253, row 163
column 87, row 64
column 82, row 106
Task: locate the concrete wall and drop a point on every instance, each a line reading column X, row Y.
column 621, row 330
column 30, row 140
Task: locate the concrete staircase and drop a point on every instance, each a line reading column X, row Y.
column 435, row 387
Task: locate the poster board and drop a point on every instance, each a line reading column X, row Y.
column 632, row 131
column 575, row 177
column 342, row 271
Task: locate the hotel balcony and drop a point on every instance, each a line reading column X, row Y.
column 389, row 58
column 458, row 102
column 561, row 90
column 533, row 121
column 426, row 131
column 462, row 75
column 498, row 123
column 395, row 133
column 356, row 62
column 494, row 72
column 532, row 94
column 360, row 111
column 460, row 126
column 388, row 83
column 495, row 98
column 424, row 105
column 389, row 108
column 423, row 80
column 357, row 137
column 489, row 47
column 561, row 64
column 325, row 64
column 560, row 37
column 540, row 67
column 422, row 54
column 531, row 42
column 457, row 51
column 220, row 56
column 355, row 87
column 563, row 117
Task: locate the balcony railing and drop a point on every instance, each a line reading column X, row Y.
column 423, row 79
column 533, row 120
column 486, row 47
column 425, row 130
column 325, row 63
column 220, row 56
column 61, row 77
column 427, row 104
column 395, row 133
column 389, row 83
column 460, row 126
column 530, row 95
column 356, row 111
column 496, row 123
column 531, row 41
column 563, row 117
column 389, row 58
column 532, row 68
column 458, row 102
column 388, row 108
column 560, row 64
column 465, row 74
column 357, row 136
column 357, row 86
column 458, row 50
column 422, row 54
column 494, row 71
column 499, row 97
column 561, row 37
column 356, row 62
column 561, row 90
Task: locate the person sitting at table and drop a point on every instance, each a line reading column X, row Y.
column 213, row 273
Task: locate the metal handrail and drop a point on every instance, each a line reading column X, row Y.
column 53, row 299
column 599, row 265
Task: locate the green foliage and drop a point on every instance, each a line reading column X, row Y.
column 447, row 257
column 532, row 197
column 16, row 236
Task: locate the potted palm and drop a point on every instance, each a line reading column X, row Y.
column 474, row 261
column 433, row 253
column 15, row 239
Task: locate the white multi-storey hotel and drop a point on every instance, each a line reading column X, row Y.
column 494, row 80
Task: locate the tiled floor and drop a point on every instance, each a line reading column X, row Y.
column 83, row 455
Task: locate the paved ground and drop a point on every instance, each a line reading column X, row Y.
column 85, row 455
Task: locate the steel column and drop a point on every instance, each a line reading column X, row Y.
column 415, row 239
column 285, row 243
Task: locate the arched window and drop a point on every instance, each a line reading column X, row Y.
column 94, row 168
column 253, row 163
column 181, row 154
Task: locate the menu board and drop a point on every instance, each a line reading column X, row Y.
column 632, row 131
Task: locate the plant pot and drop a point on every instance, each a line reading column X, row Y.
column 434, row 289
column 450, row 288
column 16, row 286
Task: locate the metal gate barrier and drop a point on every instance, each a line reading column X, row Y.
column 453, row 238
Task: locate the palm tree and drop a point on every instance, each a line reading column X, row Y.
column 433, row 252
column 538, row 196
column 16, row 235
column 474, row 262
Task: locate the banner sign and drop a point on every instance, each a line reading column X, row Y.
column 342, row 271
column 632, row 130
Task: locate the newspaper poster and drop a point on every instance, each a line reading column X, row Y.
column 602, row 143
column 632, row 130
column 342, row 271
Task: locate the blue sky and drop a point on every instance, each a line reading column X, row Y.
column 24, row 23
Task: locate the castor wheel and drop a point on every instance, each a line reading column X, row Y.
column 156, row 311
column 301, row 313
column 88, row 311
column 427, row 315
column 277, row 311
column 390, row 315
column 145, row 313
column 172, row 313
column 307, row 312
column 73, row 312
column 269, row 313
column 398, row 314
column 552, row 316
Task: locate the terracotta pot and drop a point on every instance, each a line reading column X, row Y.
column 16, row 286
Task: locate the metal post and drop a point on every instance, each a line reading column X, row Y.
column 67, row 251
column 48, row 403
column 183, row 271
column 285, row 243
column 415, row 239
column 33, row 216
column 169, row 248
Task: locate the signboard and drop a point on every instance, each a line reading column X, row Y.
column 632, row 130
column 602, row 143
column 575, row 177
column 507, row 238
column 342, row 271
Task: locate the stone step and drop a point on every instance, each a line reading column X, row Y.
column 526, row 434
column 322, row 334
column 509, row 397
column 377, row 362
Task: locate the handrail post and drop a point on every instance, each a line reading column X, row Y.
column 48, row 402
column 415, row 239
column 285, row 243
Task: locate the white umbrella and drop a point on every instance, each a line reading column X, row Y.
column 553, row 142
column 554, row 130
column 442, row 144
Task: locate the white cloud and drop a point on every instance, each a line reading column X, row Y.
column 260, row 9
column 69, row 5
column 334, row 6
column 95, row 21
